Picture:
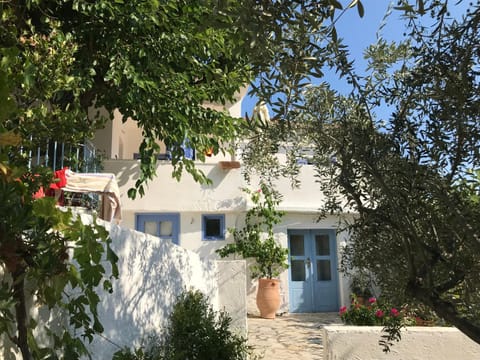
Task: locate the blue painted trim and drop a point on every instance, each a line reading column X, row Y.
column 141, row 218
column 220, row 217
column 308, row 302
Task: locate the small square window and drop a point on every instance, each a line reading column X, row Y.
column 213, row 227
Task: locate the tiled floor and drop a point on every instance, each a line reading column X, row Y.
column 291, row 336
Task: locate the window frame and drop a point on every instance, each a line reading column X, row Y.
column 221, row 218
column 141, row 218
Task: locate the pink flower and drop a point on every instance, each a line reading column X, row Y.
column 379, row 313
column 343, row 310
column 372, row 300
column 394, row 312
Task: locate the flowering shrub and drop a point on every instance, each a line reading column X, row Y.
column 371, row 313
column 391, row 318
column 374, row 313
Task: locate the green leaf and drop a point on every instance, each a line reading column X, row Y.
column 336, row 4
column 98, row 327
column 132, row 193
column 333, row 33
column 29, row 75
column 361, row 10
column 421, row 7
column 45, row 208
column 113, row 259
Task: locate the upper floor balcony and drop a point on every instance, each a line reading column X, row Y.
column 82, row 158
column 78, row 181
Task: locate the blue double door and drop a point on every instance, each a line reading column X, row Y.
column 313, row 273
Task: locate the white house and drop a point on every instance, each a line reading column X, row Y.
column 197, row 216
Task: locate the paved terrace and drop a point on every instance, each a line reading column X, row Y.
column 291, row 336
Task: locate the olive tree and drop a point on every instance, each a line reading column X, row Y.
column 158, row 62
column 410, row 177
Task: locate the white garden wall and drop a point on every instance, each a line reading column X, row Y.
column 152, row 273
column 417, row 343
column 232, row 297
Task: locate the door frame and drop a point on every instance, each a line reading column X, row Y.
column 310, row 273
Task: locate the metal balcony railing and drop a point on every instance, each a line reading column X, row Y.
column 80, row 158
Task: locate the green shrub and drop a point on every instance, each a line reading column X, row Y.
column 371, row 313
column 127, row 354
column 194, row 332
column 256, row 239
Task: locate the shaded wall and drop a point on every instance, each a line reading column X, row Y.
column 152, row 274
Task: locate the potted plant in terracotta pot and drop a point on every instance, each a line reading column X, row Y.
column 256, row 242
column 361, row 285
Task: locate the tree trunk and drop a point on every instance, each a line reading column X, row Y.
column 446, row 311
column 21, row 312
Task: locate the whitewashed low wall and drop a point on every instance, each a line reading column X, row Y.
column 152, row 273
column 418, row 343
column 232, row 295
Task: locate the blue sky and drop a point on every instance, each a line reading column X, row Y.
column 357, row 33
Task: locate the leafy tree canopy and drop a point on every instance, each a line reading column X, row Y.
column 159, row 62
column 412, row 177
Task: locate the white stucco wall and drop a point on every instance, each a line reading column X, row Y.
column 165, row 194
column 417, row 343
column 188, row 198
column 224, row 196
column 231, row 277
column 191, row 231
column 152, row 273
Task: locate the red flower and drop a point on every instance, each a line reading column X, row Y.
column 379, row 313
column 343, row 310
column 394, row 312
column 372, row 300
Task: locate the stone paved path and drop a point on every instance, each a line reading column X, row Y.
column 291, row 336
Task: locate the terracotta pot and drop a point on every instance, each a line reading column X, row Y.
column 226, row 165
column 362, row 300
column 268, row 297
column 421, row 322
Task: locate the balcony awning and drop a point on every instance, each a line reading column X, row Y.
column 104, row 184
